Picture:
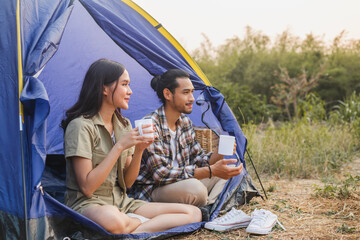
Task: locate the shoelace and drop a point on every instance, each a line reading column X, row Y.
column 226, row 217
column 280, row 224
column 259, row 218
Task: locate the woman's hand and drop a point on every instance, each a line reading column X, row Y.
column 133, row 165
column 133, row 138
column 148, row 139
column 143, row 145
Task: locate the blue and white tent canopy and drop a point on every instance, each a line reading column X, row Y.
column 46, row 48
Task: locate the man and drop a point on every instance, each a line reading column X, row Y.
column 175, row 168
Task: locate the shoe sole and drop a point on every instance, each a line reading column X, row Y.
column 222, row 228
column 260, row 231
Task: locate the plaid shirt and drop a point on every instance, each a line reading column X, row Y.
column 157, row 161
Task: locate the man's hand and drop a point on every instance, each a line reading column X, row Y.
column 215, row 157
column 222, row 170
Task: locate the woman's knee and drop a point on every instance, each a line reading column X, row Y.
column 110, row 218
column 117, row 225
column 194, row 213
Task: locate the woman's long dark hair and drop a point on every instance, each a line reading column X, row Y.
column 167, row 80
column 101, row 73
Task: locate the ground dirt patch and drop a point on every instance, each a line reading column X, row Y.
column 304, row 215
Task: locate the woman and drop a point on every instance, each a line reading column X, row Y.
column 103, row 155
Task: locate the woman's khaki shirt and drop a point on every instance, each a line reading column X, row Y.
column 88, row 138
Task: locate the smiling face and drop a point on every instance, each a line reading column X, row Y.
column 118, row 94
column 182, row 99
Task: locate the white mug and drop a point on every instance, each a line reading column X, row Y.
column 226, row 145
column 140, row 123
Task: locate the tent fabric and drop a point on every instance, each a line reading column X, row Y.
column 136, row 36
column 51, row 35
column 43, row 23
column 227, row 119
column 170, row 38
column 11, row 197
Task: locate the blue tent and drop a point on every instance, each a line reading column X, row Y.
column 45, row 49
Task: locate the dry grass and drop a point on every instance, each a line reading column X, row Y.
column 303, row 215
column 300, row 149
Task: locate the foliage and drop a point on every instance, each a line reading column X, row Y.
column 252, row 63
column 345, row 229
column 247, row 107
column 349, row 110
column 328, row 191
column 312, row 108
column 355, row 126
column 271, row 188
column 300, row 149
column 343, row 190
column 290, row 89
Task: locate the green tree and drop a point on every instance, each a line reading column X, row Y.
column 252, row 63
column 290, row 90
column 246, row 106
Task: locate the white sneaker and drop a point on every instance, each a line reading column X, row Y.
column 262, row 222
column 231, row 220
column 141, row 218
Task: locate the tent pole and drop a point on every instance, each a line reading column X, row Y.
column 23, row 177
column 20, row 82
column 257, row 175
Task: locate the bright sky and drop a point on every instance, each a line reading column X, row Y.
column 186, row 20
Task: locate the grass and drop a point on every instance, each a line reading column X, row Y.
column 321, row 198
column 300, row 150
column 345, row 229
column 304, row 215
column 342, row 189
